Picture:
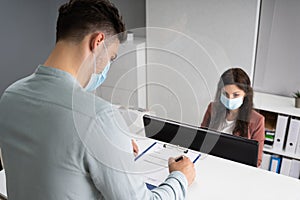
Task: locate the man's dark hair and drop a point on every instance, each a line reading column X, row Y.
column 78, row 18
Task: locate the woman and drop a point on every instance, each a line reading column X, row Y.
column 232, row 111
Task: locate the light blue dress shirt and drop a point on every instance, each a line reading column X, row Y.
column 60, row 142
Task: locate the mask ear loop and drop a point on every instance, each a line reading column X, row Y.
column 95, row 64
column 106, row 50
column 95, row 60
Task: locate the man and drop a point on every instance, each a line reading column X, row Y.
column 58, row 140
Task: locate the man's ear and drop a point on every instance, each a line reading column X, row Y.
column 96, row 40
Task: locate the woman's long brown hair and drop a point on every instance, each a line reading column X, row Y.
column 238, row 77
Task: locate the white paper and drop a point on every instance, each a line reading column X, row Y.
column 154, row 162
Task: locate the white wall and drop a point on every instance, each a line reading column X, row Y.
column 278, row 64
column 183, row 66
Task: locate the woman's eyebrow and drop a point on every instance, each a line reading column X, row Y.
column 237, row 92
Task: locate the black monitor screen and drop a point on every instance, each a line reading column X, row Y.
column 223, row 145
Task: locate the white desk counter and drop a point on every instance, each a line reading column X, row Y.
column 218, row 178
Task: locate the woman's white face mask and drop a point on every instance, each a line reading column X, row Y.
column 231, row 104
column 232, row 97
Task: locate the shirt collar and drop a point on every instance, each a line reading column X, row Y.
column 44, row 70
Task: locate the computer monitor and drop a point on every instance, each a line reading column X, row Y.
column 212, row 142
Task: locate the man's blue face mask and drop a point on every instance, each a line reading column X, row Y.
column 231, row 104
column 97, row 79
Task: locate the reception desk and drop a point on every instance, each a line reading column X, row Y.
column 218, row 178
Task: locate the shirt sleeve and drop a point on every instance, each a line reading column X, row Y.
column 122, row 184
column 111, row 165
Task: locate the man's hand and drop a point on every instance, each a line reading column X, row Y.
column 183, row 165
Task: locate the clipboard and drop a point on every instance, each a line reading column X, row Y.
column 154, row 161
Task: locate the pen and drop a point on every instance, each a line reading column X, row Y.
column 179, row 158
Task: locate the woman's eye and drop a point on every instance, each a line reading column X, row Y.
column 236, row 95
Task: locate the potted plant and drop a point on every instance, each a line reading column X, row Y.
column 297, row 99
